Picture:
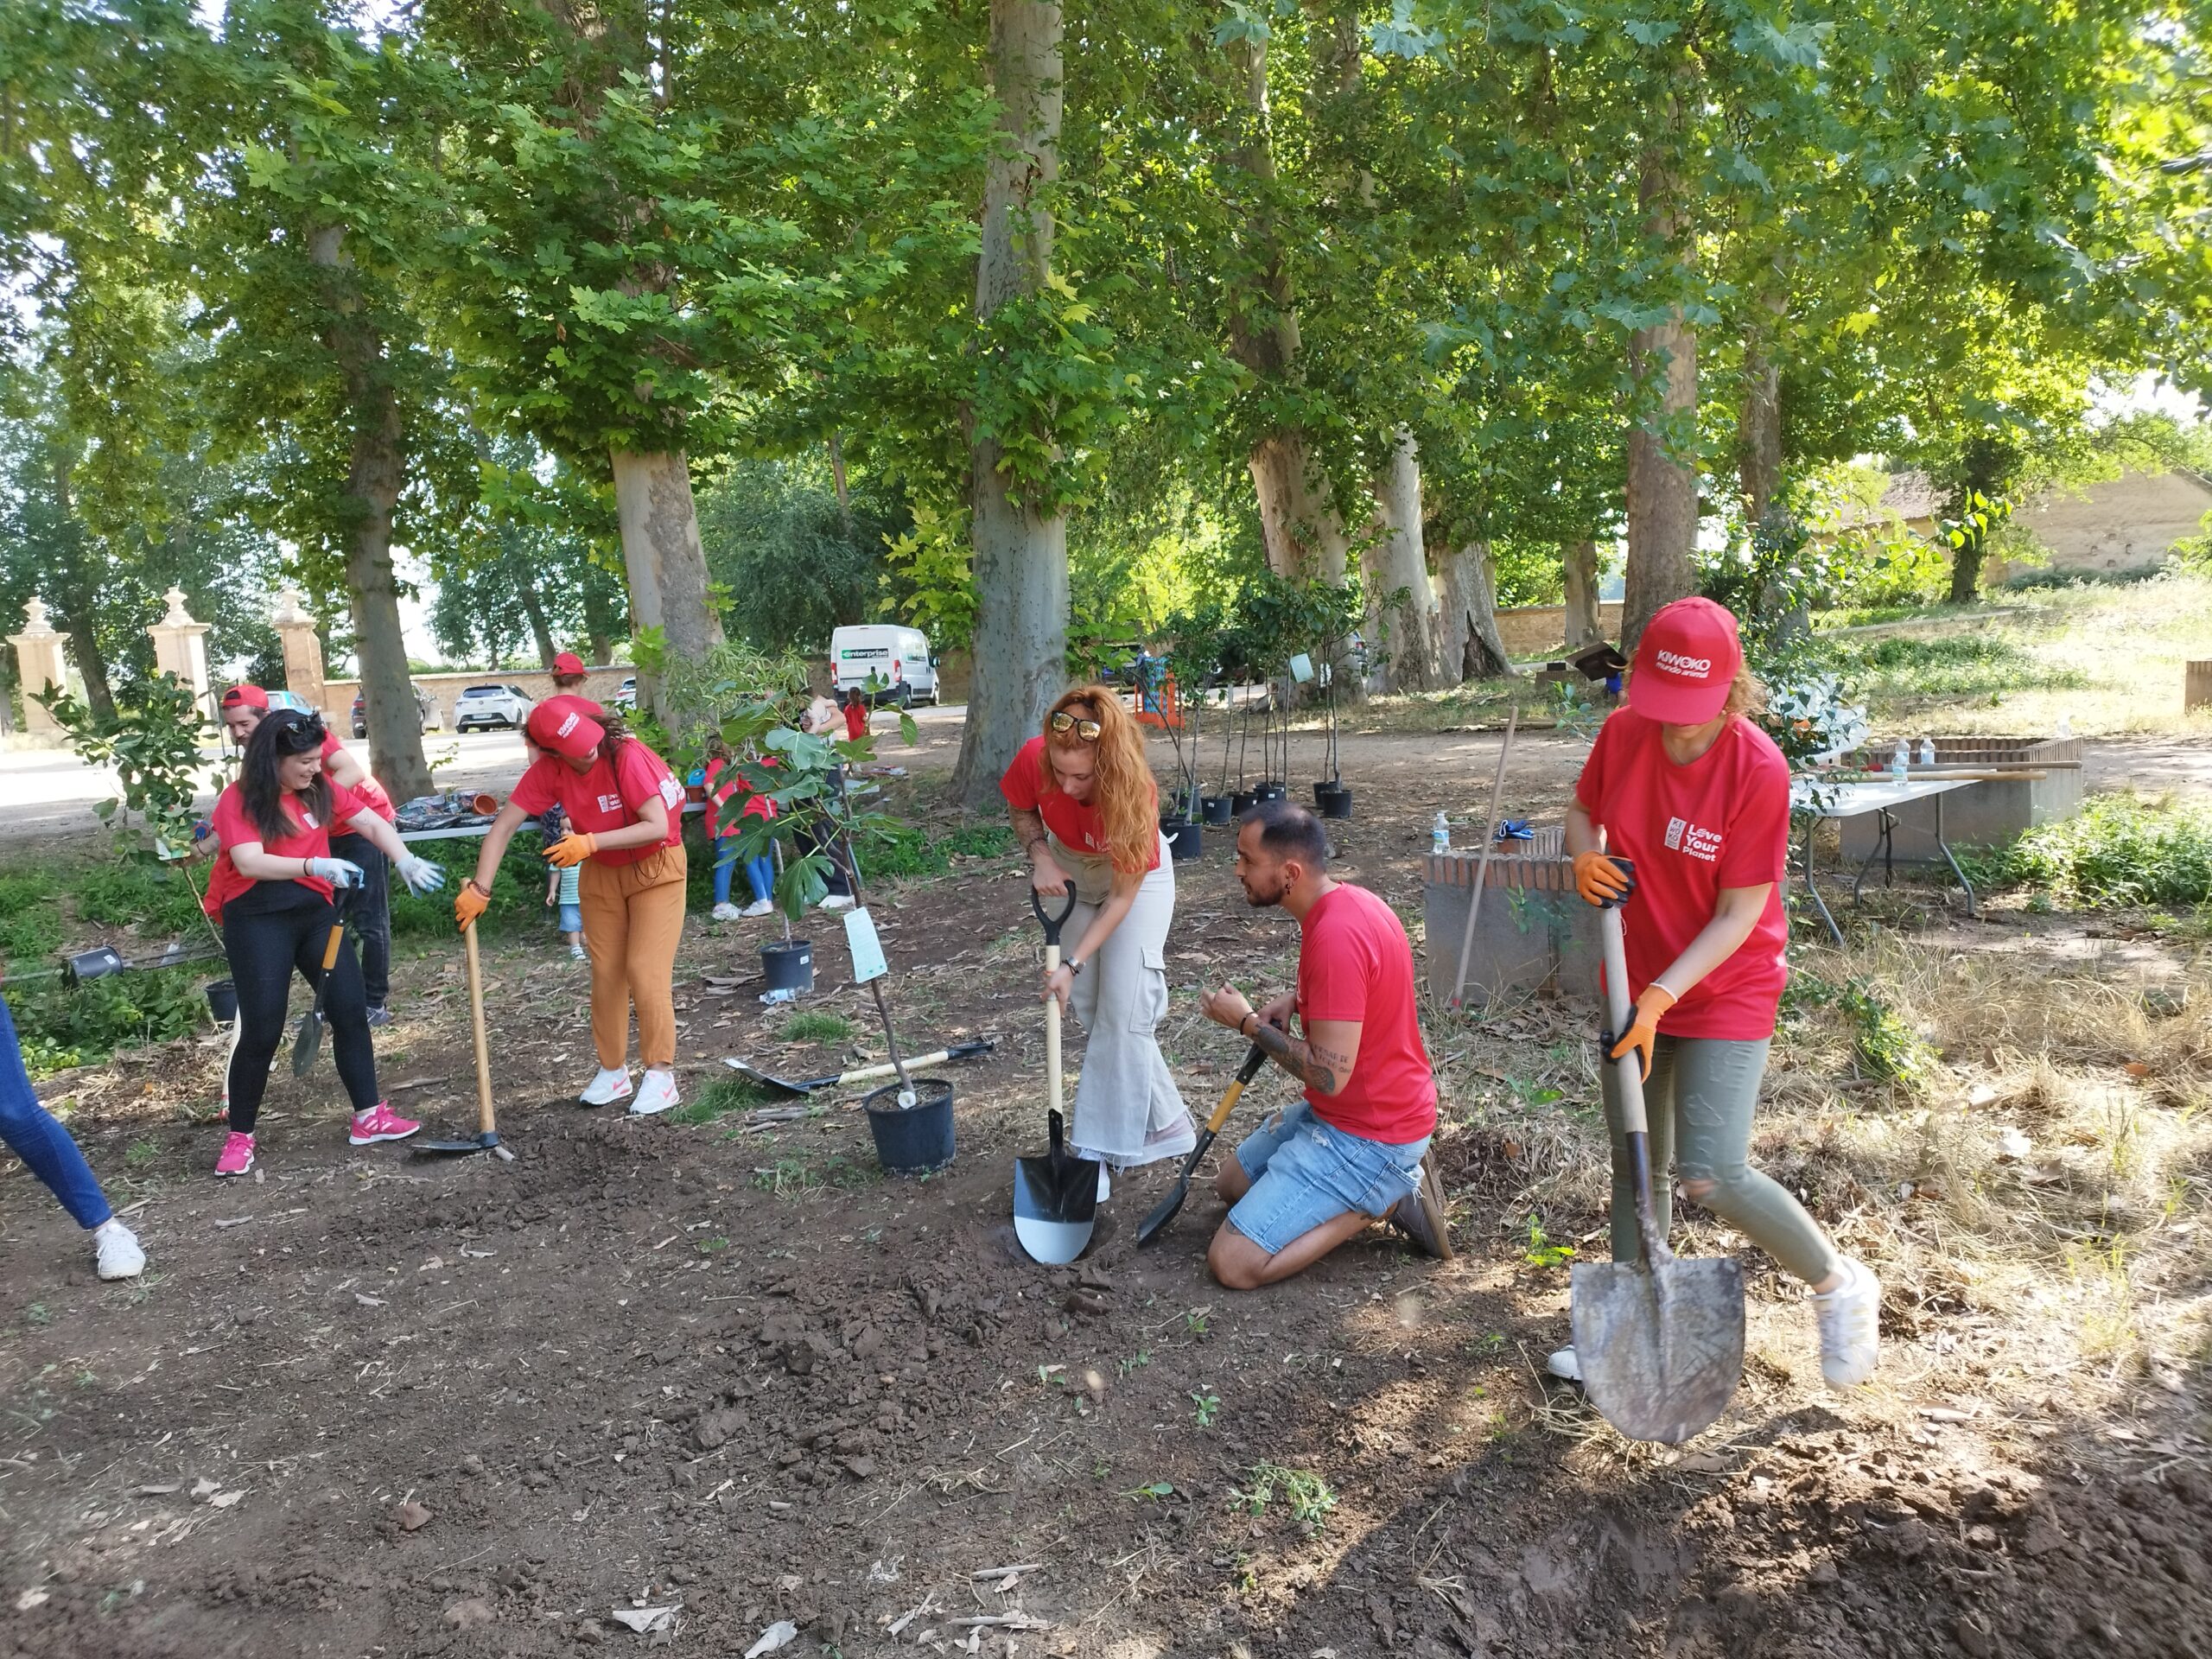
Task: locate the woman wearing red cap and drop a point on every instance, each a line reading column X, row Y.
column 623, row 807
column 272, row 888
column 569, row 675
column 1692, row 800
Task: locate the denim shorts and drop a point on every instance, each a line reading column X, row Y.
column 572, row 918
column 1305, row 1172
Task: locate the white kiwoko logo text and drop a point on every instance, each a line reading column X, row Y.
column 568, row 724
column 1693, row 667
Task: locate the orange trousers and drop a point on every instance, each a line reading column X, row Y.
column 633, row 918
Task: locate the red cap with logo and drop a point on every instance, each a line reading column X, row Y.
column 568, row 662
column 1685, row 663
column 245, row 697
column 562, row 725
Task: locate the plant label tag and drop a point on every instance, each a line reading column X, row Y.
column 1301, row 668
column 867, row 949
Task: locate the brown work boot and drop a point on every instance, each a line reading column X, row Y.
column 1421, row 1216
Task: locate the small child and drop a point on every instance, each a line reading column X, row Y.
column 760, row 873
column 563, row 888
column 856, row 715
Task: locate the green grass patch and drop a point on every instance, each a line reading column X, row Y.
column 2118, row 852
column 1307, row 1494
column 60, row 1025
column 1882, row 1042
column 1978, row 663
column 157, row 896
column 816, row 1027
column 725, row 1095
column 909, row 850
column 518, row 892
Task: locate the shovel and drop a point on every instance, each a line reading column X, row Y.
column 861, row 1074
column 1164, row 1211
column 1660, row 1340
column 1055, row 1196
column 308, row 1044
column 488, row 1130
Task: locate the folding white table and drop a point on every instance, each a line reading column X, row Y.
column 1881, row 797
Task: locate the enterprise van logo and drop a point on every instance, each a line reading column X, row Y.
column 1675, row 662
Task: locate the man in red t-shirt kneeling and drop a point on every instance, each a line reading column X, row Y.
column 1357, row 1146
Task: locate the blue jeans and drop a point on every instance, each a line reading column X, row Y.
column 760, row 873
column 1305, row 1172
column 43, row 1144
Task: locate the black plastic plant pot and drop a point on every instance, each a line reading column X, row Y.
column 1186, row 840
column 1334, row 802
column 788, row 966
column 1242, row 802
column 1217, row 809
column 223, row 1002
column 912, row 1140
column 1271, row 791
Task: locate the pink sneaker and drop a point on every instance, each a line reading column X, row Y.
column 378, row 1124
column 238, row 1155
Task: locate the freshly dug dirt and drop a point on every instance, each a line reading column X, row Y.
column 371, row 1405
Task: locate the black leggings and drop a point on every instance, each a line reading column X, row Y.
column 266, row 941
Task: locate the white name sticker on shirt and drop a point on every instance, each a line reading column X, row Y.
column 610, row 803
column 672, row 793
column 867, row 950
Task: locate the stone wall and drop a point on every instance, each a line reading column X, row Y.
column 600, row 685
column 1540, row 630
column 1534, row 936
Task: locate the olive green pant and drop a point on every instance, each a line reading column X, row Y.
column 1698, row 1099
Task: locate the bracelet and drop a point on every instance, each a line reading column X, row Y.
column 1073, row 966
column 1254, row 1016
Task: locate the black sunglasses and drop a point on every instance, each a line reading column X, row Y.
column 1087, row 730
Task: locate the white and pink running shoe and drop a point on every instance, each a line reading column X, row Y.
column 237, row 1154
column 378, row 1124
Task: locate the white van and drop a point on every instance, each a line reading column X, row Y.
column 899, row 657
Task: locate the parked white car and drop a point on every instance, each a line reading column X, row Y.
column 899, row 658
column 507, row 706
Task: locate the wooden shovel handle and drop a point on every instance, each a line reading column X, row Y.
column 484, row 1120
column 330, row 945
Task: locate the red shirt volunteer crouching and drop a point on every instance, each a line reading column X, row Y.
column 625, row 811
column 1692, row 800
column 1357, row 1147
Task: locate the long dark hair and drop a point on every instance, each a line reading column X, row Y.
column 282, row 733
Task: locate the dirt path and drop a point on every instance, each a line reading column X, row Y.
column 473, row 1409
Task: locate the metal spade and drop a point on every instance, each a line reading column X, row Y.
column 1055, row 1196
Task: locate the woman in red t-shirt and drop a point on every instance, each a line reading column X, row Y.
column 272, row 888
column 1087, row 811
column 624, row 810
column 1692, row 800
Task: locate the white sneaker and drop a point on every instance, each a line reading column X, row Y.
column 1563, row 1363
column 759, row 907
column 1850, row 1316
column 577, row 953
column 612, row 1084
column 121, row 1255
column 655, row 1093
column 836, row 902
column 726, row 911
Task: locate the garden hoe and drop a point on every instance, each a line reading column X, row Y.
column 1055, row 1196
column 1164, row 1211
column 1660, row 1340
column 488, row 1130
column 309, row 1043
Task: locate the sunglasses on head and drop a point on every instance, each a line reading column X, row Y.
column 1087, row 730
column 296, row 732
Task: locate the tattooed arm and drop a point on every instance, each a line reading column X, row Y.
column 1321, row 1059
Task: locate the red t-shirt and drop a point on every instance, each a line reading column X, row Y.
column 309, row 839
column 371, row 791
column 1355, row 963
column 1078, row 825
column 1722, row 821
column 611, row 795
column 734, row 794
column 856, row 719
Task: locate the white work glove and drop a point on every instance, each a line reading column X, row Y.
column 421, row 875
column 339, row 871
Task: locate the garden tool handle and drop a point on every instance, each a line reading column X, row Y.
column 1052, row 924
column 337, row 936
column 1253, row 1061
column 1619, row 1016
column 1053, row 1012
column 485, row 1120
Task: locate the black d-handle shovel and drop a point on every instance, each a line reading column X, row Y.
column 1660, row 1340
column 1164, row 1211
column 1055, row 1196
column 309, row 1043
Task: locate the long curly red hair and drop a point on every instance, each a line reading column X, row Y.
column 1127, row 798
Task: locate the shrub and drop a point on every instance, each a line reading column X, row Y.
column 64, row 1024
column 518, row 893
column 2118, row 851
column 157, row 897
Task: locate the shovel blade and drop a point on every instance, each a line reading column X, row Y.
column 1660, row 1347
column 307, row 1044
column 1055, row 1203
column 1163, row 1212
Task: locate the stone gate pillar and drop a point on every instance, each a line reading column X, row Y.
column 38, row 665
column 181, row 647
column 303, row 649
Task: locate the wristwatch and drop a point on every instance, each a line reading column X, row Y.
column 1072, row 965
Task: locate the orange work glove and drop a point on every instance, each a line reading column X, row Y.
column 468, row 903
column 1643, row 1031
column 572, row 849
column 1600, row 881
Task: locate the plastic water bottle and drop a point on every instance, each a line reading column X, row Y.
column 2065, row 726
column 1927, row 751
column 1900, row 761
column 1440, row 837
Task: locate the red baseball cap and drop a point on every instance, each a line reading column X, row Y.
column 565, row 726
column 245, row 697
column 568, row 662
column 1685, row 663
